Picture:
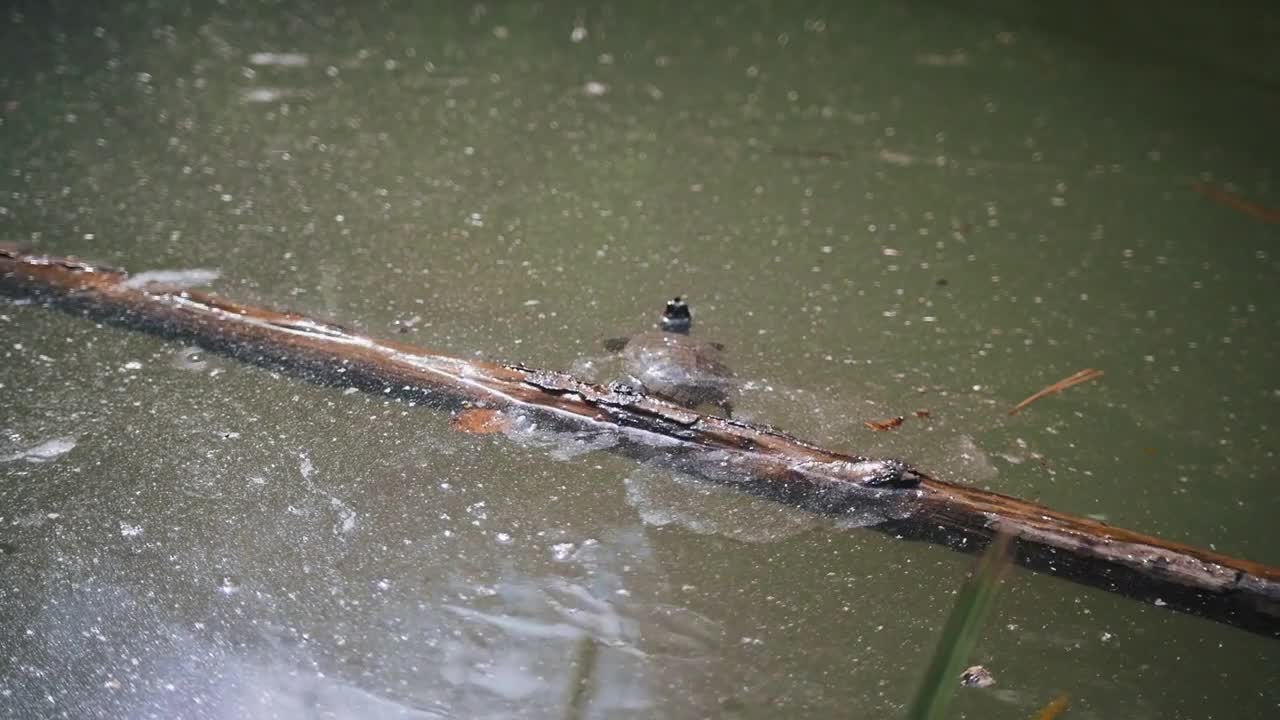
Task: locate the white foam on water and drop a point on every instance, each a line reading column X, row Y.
column 968, row 461
column 46, row 451
column 194, row 277
column 347, row 517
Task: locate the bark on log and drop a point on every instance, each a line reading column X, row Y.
column 897, row 498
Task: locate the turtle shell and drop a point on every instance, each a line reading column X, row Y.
column 672, row 365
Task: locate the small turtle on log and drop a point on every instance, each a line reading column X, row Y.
column 669, row 364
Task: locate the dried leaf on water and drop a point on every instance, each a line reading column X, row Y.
column 1054, row 708
column 882, row 425
column 481, row 421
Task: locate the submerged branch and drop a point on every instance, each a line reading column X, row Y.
column 899, row 499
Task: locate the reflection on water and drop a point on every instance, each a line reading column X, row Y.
column 176, row 670
column 666, row 497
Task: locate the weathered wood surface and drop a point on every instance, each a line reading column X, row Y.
column 902, row 500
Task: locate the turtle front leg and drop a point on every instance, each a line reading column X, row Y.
column 726, row 406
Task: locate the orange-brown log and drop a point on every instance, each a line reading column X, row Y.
column 898, row 499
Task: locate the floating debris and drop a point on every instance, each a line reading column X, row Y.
column 1238, row 203
column 481, row 421
column 1054, row 708
column 279, row 59
column 977, row 676
column 1082, row 376
column 883, row 425
column 956, row 58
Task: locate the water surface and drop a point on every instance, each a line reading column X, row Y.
column 878, row 207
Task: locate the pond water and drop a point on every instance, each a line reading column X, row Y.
column 877, row 207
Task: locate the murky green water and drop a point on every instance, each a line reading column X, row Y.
column 877, row 207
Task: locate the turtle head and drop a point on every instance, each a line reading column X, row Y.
column 676, row 318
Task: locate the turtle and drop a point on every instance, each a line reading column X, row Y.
column 667, row 363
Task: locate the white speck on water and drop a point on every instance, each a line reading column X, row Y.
column 347, row 515
column 593, row 88
column 503, row 538
column 578, row 34
column 563, row 551
column 132, row 365
column 279, row 59
column 383, row 584
column 890, row 252
column 127, row 530
column 229, row 586
column 899, row 159
column 501, row 32
column 262, row 94
column 1160, row 603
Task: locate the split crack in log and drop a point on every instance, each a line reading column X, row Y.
column 905, row 501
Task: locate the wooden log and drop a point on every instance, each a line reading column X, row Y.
column 893, row 496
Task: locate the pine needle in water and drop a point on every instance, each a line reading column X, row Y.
column 1074, row 379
